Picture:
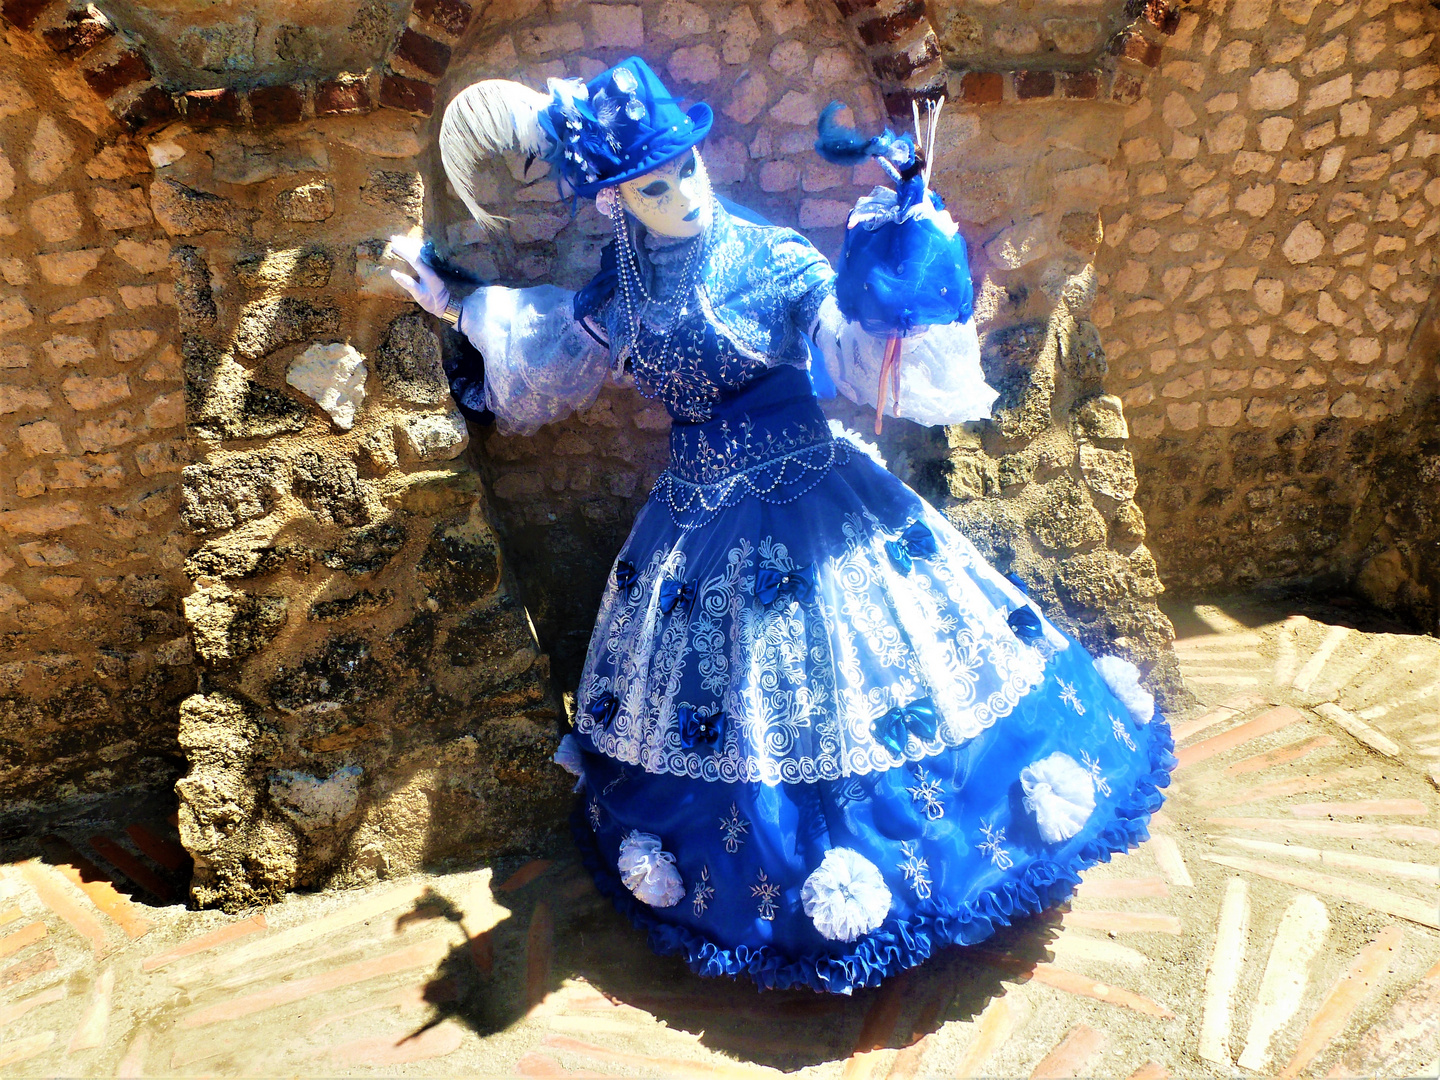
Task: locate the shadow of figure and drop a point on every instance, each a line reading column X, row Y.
column 564, row 949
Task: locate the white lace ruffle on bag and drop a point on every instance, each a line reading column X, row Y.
column 1060, row 792
column 567, row 756
column 845, row 896
column 941, row 381
column 649, row 872
column 1123, row 678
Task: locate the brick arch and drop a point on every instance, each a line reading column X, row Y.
column 117, row 70
column 903, row 49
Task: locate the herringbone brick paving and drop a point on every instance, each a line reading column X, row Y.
column 1283, row 920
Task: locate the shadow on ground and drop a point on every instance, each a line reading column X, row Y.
column 569, row 932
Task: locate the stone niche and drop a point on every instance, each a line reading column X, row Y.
column 373, row 696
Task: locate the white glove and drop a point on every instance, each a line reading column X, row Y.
column 429, row 291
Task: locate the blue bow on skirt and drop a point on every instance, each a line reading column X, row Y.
column 603, row 708
column 916, row 542
column 674, row 592
column 770, row 583
column 894, row 729
column 700, row 727
column 625, row 575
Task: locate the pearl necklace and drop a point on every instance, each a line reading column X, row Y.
column 629, row 266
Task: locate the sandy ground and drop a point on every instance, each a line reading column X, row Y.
column 1284, row 919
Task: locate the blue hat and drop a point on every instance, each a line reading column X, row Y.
column 621, row 124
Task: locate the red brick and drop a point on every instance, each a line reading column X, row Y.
column 337, row 96
column 151, row 109
column 982, row 87
column 1126, row 89
column 1080, row 85
column 899, row 66
column 23, row 14
column 891, row 28
column 276, row 105
column 213, row 940
column 18, row 973
column 165, row 852
column 128, row 68
column 1030, row 85
column 407, row 95
column 220, row 106
column 425, row 53
column 451, row 16
column 131, row 867
column 77, row 34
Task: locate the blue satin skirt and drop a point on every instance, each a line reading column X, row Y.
column 802, row 657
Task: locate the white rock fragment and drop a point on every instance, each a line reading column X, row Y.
column 312, row 803
column 333, row 376
column 432, row 436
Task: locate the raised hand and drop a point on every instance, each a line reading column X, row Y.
column 426, row 288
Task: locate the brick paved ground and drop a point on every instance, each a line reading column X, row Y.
column 1281, row 921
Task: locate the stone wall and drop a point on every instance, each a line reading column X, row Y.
column 94, row 657
column 374, row 696
column 1267, row 272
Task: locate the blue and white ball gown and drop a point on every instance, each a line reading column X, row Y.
column 817, row 737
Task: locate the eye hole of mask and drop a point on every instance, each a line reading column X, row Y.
column 655, row 190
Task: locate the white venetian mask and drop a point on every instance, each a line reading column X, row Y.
column 673, row 200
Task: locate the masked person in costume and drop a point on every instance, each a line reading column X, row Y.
column 817, row 736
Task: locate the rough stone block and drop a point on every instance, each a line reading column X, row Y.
column 329, row 486
column 309, row 202
column 1100, row 417
column 117, row 210
column 184, row 211
column 161, row 457
column 147, row 257
column 244, row 163
column 288, row 268
column 432, row 436
column 194, row 301
column 51, row 152
column 57, row 217
column 82, row 311
column 240, row 489
column 15, row 314
column 408, row 362
column 68, row 267
column 403, row 192
column 266, row 325
column 87, row 392
column 41, row 520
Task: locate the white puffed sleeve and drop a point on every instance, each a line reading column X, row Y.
column 540, row 364
column 940, row 377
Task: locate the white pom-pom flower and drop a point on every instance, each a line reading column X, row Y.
column 845, row 896
column 567, row 756
column 649, row 872
column 1123, row 678
column 1060, row 792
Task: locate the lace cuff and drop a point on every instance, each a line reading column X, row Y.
column 540, row 365
column 940, row 377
